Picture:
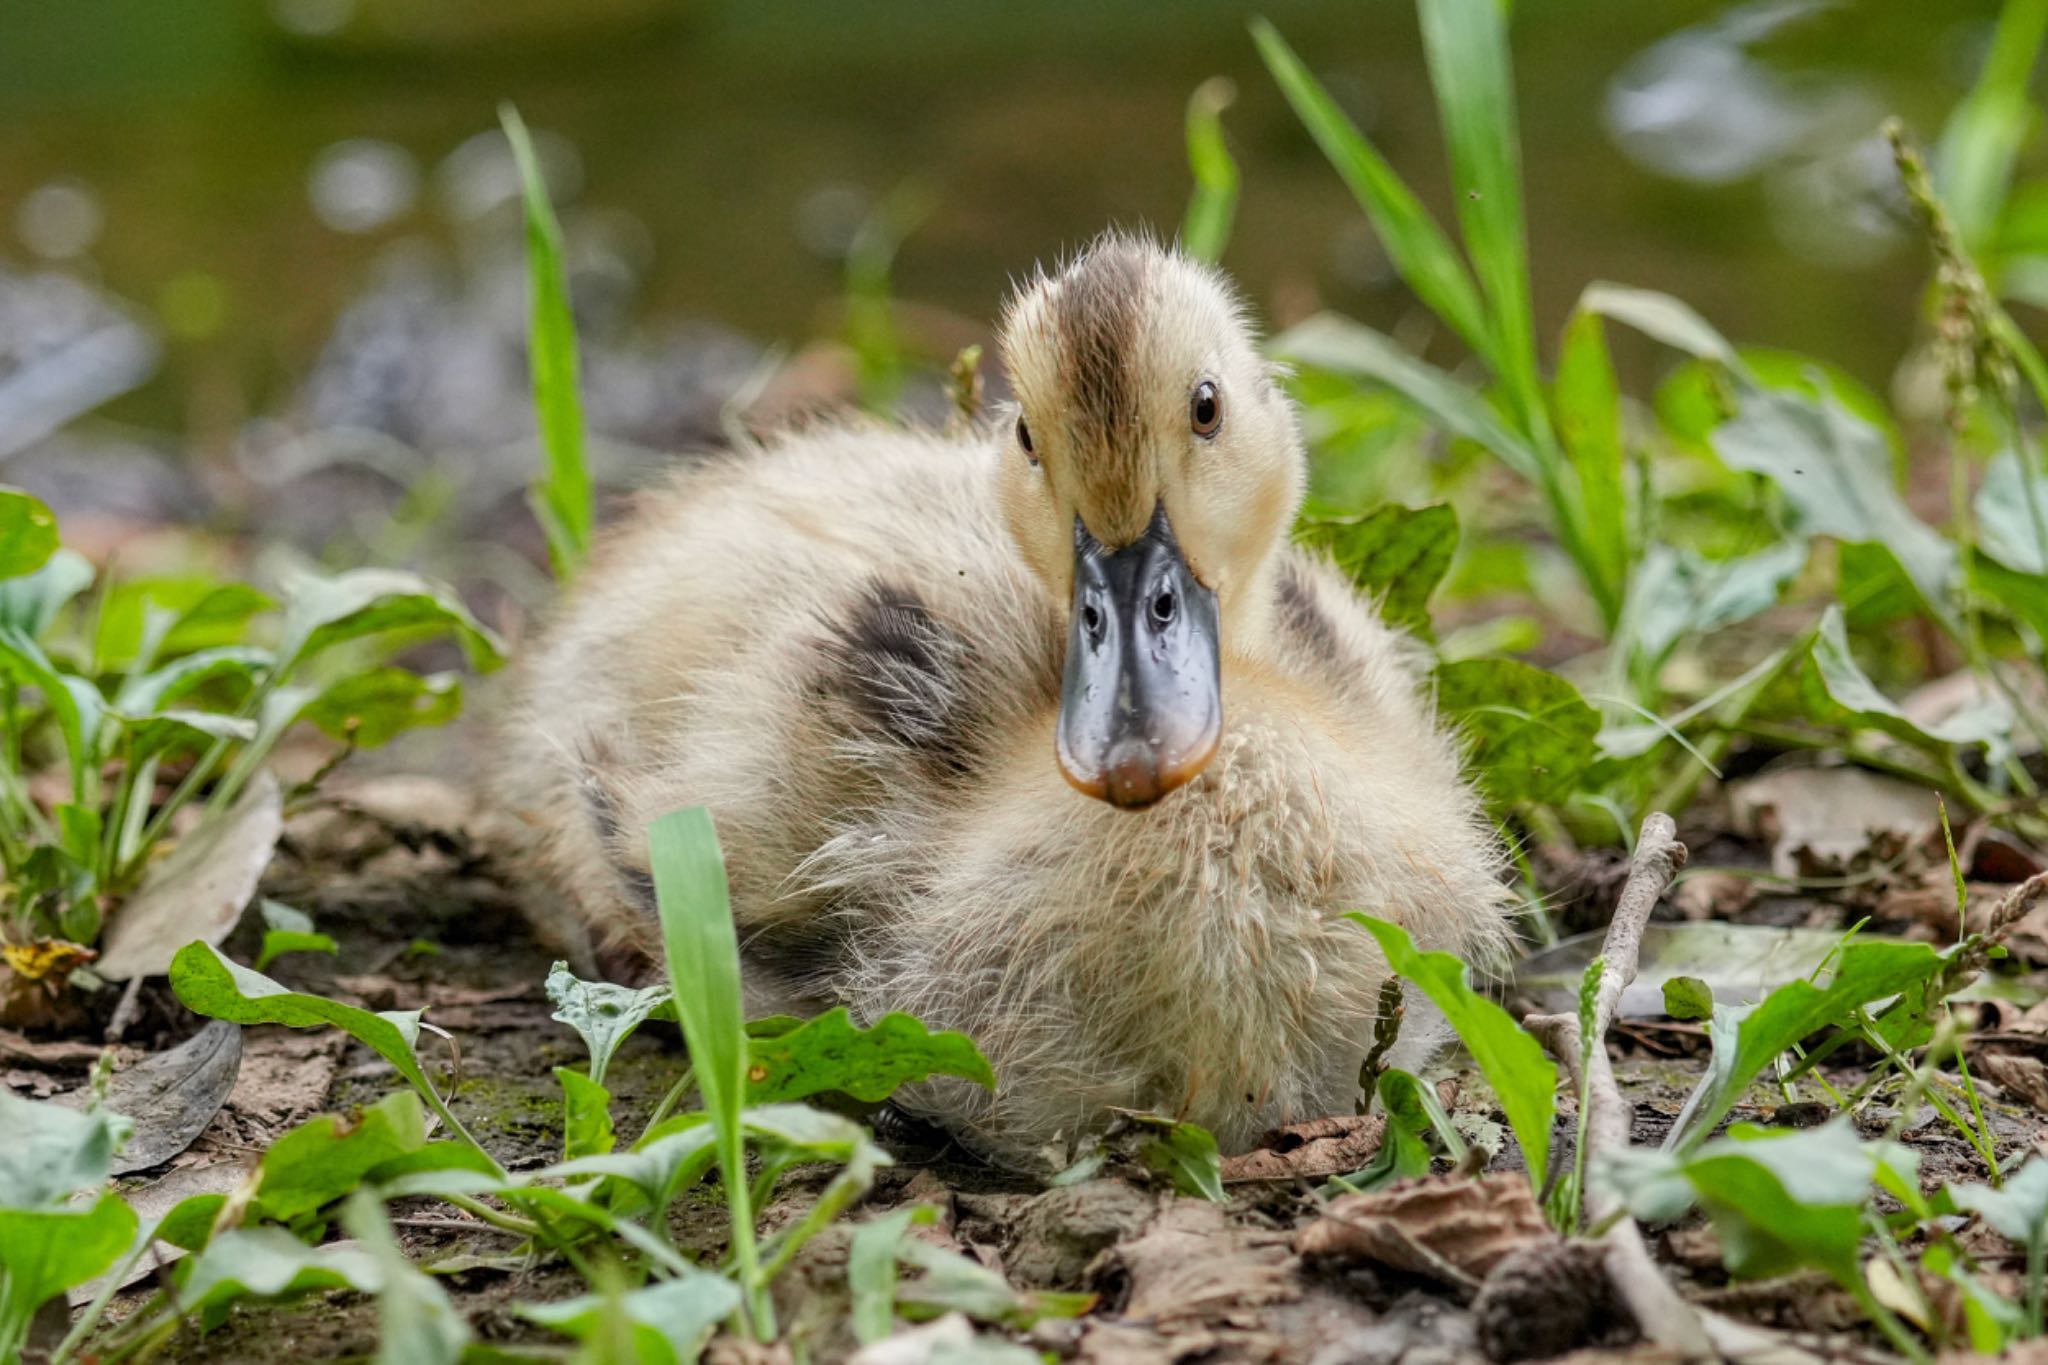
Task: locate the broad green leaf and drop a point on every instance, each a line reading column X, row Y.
column 178, row 730
column 269, row 1263
column 195, row 613
column 1396, row 554
column 1413, row 1108
column 2025, row 595
column 1185, row 1153
column 416, row 1323
column 1688, row 997
column 51, row 1152
column 1588, row 402
column 604, row 1015
column 811, row 1134
column 75, row 703
column 1529, row 733
column 702, row 949
column 1416, row 246
column 830, row 1053
column 662, row 1163
column 287, row 930
column 210, row 984
column 1677, row 594
column 142, row 695
column 1836, row 684
column 1466, row 44
column 1836, row 473
column 953, row 1284
column 30, row 602
column 374, row 707
column 1329, row 342
column 1662, row 318
column 1788, row 1200
column 1206, row 229
column 672, row 1319
column 586, row 1115
column 2018, row 1210
column 871, row 1271
column 1403, row 1151
column 1522, row 1075
column 326, row 1157
column 45, row 1251
column 2012, row 514
column 562, row 497
column 321, row 612
column 1748, row 1039
column 28, row 533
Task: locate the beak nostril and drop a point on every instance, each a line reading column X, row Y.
column 1091, row 620
column 1164, row 607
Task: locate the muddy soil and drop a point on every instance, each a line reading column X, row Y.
column 408, row 881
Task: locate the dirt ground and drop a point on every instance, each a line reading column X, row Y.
column 408, row 880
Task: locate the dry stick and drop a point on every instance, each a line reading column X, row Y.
column 1663, row 1316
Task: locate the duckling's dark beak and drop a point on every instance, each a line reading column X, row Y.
column 1141, row 706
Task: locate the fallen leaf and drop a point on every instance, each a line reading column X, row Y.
column 199, row 891
column 1447, row 1228
column 2024, row 1078
column 1311, row 1150
column 171, row 1096
column 58, row 1052
column 1831, row 820
column 1192, row 1263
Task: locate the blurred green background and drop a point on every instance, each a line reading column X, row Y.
column 240, row 170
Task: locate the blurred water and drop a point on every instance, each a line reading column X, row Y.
column 254, row 174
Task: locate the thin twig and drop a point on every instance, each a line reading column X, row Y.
column 1663, row 1316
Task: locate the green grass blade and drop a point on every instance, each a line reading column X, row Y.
column 704, row 970
column 1588, row 400
column 1212, row 207
column 1466, row 42
column 1329, row 342
column 1983, row 137
column 1418, row 248
column 562, row 499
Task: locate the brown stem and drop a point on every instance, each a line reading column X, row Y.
column 1663, row 1316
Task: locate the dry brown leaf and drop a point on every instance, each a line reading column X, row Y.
column 1448, row 1228
column 1193, row 1264
column 1832, row 820
column 2022, row 1077
column 1312, row 1150
column 197, row 892
column 170, row 1096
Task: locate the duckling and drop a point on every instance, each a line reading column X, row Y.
column 1046, row 733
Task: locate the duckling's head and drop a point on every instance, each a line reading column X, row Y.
column 1153, row 469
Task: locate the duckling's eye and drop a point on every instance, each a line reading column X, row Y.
column 1024, row 439
column 1205, row 409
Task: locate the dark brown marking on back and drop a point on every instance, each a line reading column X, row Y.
column 898, row 667
column 1304, row 617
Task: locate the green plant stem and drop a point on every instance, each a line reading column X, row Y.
column 496, row 1217
column 684, row 1084
column 90, row 1318
column 1989, row 1144
column 1792, row 737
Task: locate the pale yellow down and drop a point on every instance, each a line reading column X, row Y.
column 848, row 645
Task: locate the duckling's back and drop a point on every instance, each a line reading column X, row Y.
column 782, row 635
